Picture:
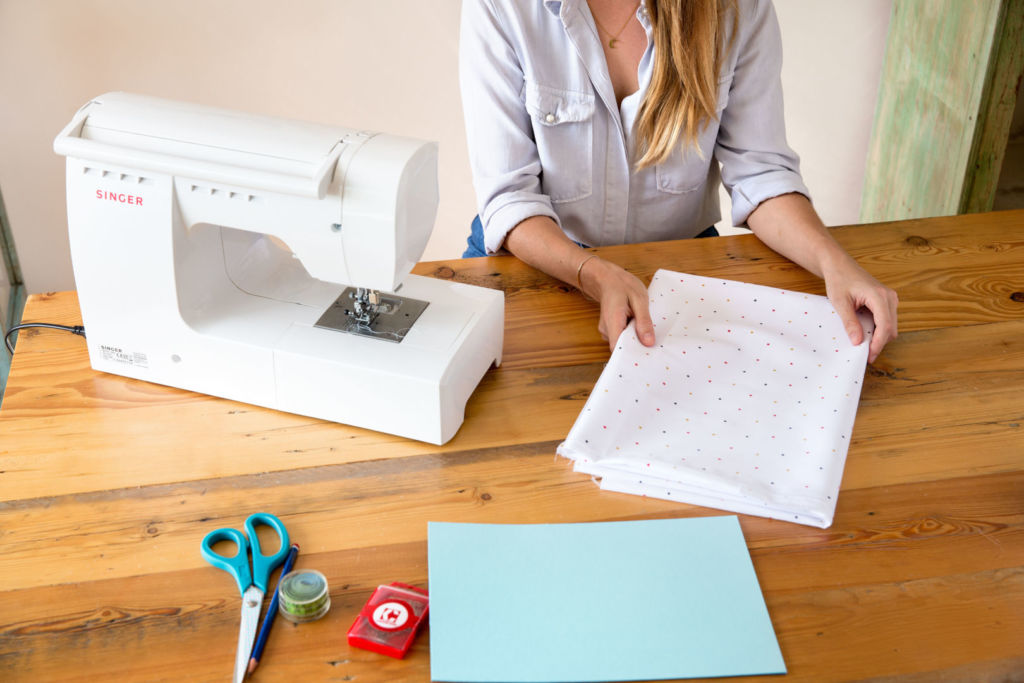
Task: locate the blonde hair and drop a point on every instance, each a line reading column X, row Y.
column 681, row 98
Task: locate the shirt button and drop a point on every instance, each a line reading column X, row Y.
column 550, row 118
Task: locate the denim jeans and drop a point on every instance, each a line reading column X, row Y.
column 475, row 241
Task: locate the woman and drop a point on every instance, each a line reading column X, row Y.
column 604, row 122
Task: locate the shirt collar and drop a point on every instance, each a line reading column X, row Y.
column 643, row 16
column 555, row 7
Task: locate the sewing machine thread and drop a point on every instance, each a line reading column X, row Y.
column 303, row 596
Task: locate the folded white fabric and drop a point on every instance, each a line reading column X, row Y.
column 745, row 403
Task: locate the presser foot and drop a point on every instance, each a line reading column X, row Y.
column 371, row 314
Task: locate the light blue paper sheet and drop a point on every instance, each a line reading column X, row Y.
column 656, row 599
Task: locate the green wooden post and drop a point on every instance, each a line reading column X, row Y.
column 945, row 102
column 16, row 297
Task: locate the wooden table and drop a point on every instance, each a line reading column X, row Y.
column 108, row 484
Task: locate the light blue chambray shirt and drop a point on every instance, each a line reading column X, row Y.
column 546, row 136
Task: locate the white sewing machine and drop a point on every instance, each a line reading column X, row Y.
column 267, row 261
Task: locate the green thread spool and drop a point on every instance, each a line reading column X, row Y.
column 303, row 596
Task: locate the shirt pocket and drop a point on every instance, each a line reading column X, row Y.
column 685, row 171
column 563, row 129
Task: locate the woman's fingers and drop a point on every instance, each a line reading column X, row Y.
column 856, row 289
column 623, row 297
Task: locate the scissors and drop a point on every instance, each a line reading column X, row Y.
column 251, row 583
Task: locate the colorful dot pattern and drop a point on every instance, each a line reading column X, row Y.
column 746, row 402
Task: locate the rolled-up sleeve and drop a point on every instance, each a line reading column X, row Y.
column 757, row 163
column 502, row 152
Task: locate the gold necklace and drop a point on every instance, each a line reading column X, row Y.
column 614, row 37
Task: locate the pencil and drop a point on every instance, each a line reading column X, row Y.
column 268, row 619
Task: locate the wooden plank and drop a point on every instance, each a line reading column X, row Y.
column 975, row 613
column 914, row 563
column 904, row 408
column 205, row 434
column 947, row 271
column 928, row 140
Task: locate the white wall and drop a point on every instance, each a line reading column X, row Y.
column 831, row 68
column 385, row 65
column 832, row 62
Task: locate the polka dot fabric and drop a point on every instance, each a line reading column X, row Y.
column 745, row 403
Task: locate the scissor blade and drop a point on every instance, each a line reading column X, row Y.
column 252, row 600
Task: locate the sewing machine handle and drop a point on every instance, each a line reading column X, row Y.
column 70, row 143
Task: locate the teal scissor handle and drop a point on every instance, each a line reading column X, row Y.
column 262, row 564
column 237, row 566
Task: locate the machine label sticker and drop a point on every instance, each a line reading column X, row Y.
column 119, row 355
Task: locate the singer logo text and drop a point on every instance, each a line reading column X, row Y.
column 119, row 197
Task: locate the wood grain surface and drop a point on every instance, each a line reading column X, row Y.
column 107, row 485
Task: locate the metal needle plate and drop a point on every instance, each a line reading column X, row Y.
column 392, row 324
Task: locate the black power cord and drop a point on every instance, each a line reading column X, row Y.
column 73, row 329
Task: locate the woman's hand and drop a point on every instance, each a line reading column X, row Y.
column 622, row 297
column 849, row 287
column 789, row 225
column 539, row 242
